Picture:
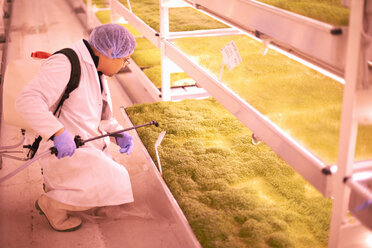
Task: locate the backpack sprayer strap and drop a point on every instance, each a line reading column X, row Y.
column 74, row 80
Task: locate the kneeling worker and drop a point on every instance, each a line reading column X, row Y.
column 87, row 177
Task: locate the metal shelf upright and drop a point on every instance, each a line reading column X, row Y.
column 356, row 99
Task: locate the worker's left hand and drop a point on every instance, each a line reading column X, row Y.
column 126, row 143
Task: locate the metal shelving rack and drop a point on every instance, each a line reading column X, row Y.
column 335, row 51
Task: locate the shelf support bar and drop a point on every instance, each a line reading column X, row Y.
column 165, row 63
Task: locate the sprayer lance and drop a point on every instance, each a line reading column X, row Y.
column 118, row 133
column 80, row 142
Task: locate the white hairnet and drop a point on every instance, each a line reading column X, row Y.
column 112, row 40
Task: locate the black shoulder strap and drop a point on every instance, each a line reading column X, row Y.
column 73, row 83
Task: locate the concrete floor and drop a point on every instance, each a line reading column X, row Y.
column 153, row 220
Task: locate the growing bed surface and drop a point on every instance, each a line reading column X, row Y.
column 329, row 11
column 97, row 3
column 304, row 103
column 180, row 19
column 234, row 194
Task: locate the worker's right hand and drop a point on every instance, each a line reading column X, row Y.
column 65, row 144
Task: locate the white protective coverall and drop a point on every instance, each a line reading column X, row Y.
column 89, row 178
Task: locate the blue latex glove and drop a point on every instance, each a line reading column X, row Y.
column 65, row 144
column 126, row 143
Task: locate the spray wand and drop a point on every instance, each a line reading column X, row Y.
column 79, row 142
